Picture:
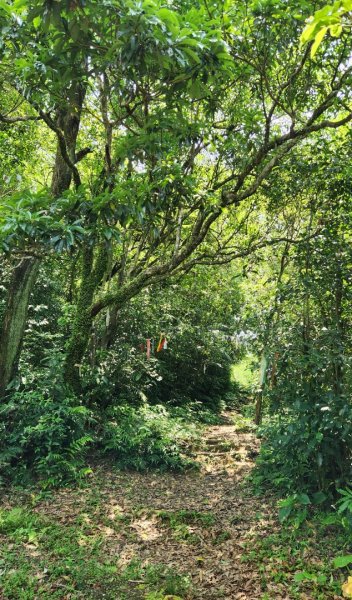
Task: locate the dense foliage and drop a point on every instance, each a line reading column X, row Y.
column 134, row 409
column 306, row 342
column 180, row 171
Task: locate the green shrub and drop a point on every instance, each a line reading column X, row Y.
column 43, row 437
column 190, row 370
column 309, row 447
column 195, row 368
column 18, row 522
column 146, row 437
column 196, row 412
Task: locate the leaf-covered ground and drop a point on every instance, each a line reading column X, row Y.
column 196, row 535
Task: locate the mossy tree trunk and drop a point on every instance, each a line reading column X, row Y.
column 93, row 272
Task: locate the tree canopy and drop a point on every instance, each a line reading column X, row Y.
column 167, row 120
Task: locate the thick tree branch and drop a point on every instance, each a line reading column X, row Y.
column 82, row 153
column 6, row 119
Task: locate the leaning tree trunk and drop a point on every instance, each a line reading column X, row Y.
column 25, row 273
column 15, row 318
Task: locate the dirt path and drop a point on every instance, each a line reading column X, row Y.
column 212, row 555
column 197, row 522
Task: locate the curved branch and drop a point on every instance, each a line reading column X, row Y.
column 5, row 119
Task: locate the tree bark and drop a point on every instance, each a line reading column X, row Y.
column 68, row 121
column 92, row 275
column 14, row 322
column 110, row 330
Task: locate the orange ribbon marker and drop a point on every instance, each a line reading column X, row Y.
column 162, row 343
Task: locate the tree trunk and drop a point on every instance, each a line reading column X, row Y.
column 68, row 121
column 92, row 275
column 338, row 318
column 110, row 330
column 260, row 394
column 82, row 324
column 14, row 322
column 25, row 273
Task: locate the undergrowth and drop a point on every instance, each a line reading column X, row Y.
column 51, row 440
column 147, row 437
column 300, row 559
column 43, row 558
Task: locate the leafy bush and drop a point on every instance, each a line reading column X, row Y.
column 146, row 437
column 308, row 448
column 196, row 412
column 345, row 508
column 43, row 437
column 122, row 376
column 13, row 520
column 197, row 368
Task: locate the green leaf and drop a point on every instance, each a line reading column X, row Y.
column 284, row 513
column 192, row 42
column 4, row 6
column 308, row 32
column 319, row 498
column 318, row 39
column 345, row 505
column 304, row 576
column 290, row 501
column 304, row 499
column 196, row 89
column 75, row 32
column 168, row 15
column 335, row 30
column 342, row 561
column 189, row 52
column 347, row 492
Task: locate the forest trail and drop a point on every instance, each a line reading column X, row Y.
column 204, row 526
column 198, row 523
